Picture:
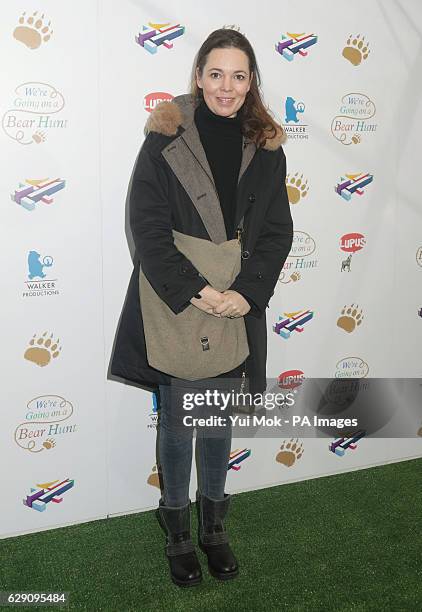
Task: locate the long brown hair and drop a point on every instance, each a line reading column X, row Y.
column 257, row 124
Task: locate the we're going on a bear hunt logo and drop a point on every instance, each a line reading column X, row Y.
column 354, row 120
column 34, row 113
column 48, row 419
column 301, row 257
column 39, row 283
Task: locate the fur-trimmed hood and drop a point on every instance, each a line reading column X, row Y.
column 168, row 116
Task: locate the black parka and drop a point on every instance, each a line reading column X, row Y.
column 173, row 188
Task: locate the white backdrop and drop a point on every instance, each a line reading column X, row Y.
column 75, row 83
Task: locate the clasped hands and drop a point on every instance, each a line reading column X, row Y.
column 227, row 303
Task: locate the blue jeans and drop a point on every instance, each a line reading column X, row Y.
column 175, row 453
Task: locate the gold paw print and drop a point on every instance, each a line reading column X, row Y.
column 297, row 188
column 356, row 50
column 42, row 350
column 32, row 30
column 293, row 278
column 350, row 318
column 290, row 452
column 153, row 478
column 356, row 139
column 38, row 137
column 49, row 443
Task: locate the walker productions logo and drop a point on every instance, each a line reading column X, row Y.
column 299, row 259
column 236, row 457
column 351, row 367
column 33, row 30
column 291, row 379
column 31, row 120
column 349, row 442
column 38, row 284
column 154, row 414
column 298, row 131
column 43, row 494
column 350, row 318
column 356, row 49
column 290, row 452
column 352, row 122
column 154, row 35
column 37, row 190
column 351, row 243
column 351, row 184
column 295, row 44
column 292, row 321
column 419, row 256
column 297, row 187
column 42, row 349
column 152, row 99
column 46, row 420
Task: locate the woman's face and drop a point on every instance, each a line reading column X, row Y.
column 225, row 81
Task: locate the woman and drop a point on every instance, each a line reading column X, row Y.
column 209, row 159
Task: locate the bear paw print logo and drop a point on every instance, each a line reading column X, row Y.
column 42, row 350
column 38, row 137
column 154, row 478
column 297, row 188
column 49, row 443
column 351, row 317
column 356, row 139
column 356, row 50
column 290, row 452
column 33, row 30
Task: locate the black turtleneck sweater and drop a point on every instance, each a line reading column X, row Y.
column 221, row 138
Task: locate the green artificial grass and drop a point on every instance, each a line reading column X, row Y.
column 344, row 542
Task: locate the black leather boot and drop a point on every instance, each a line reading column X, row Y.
column 212, row 537
column 185, row 569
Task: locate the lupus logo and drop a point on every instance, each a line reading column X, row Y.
column 42, row 350
column 341, row 445
column 152, row 36
column 44, row 493
column 30, row 120
column 351, row 243
column 295, row 44
column 351, row 184
column 44, row 422
column 350, row 318
column 351, row 367
column 292, row 112
column 299, row 259
column 236, row 457
column 31, row 192
column 33, row 30
column 291, row 379
column 356, row 50
column 292, row 321
column 152, row 99
column 353, row 120
column 36, row 267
